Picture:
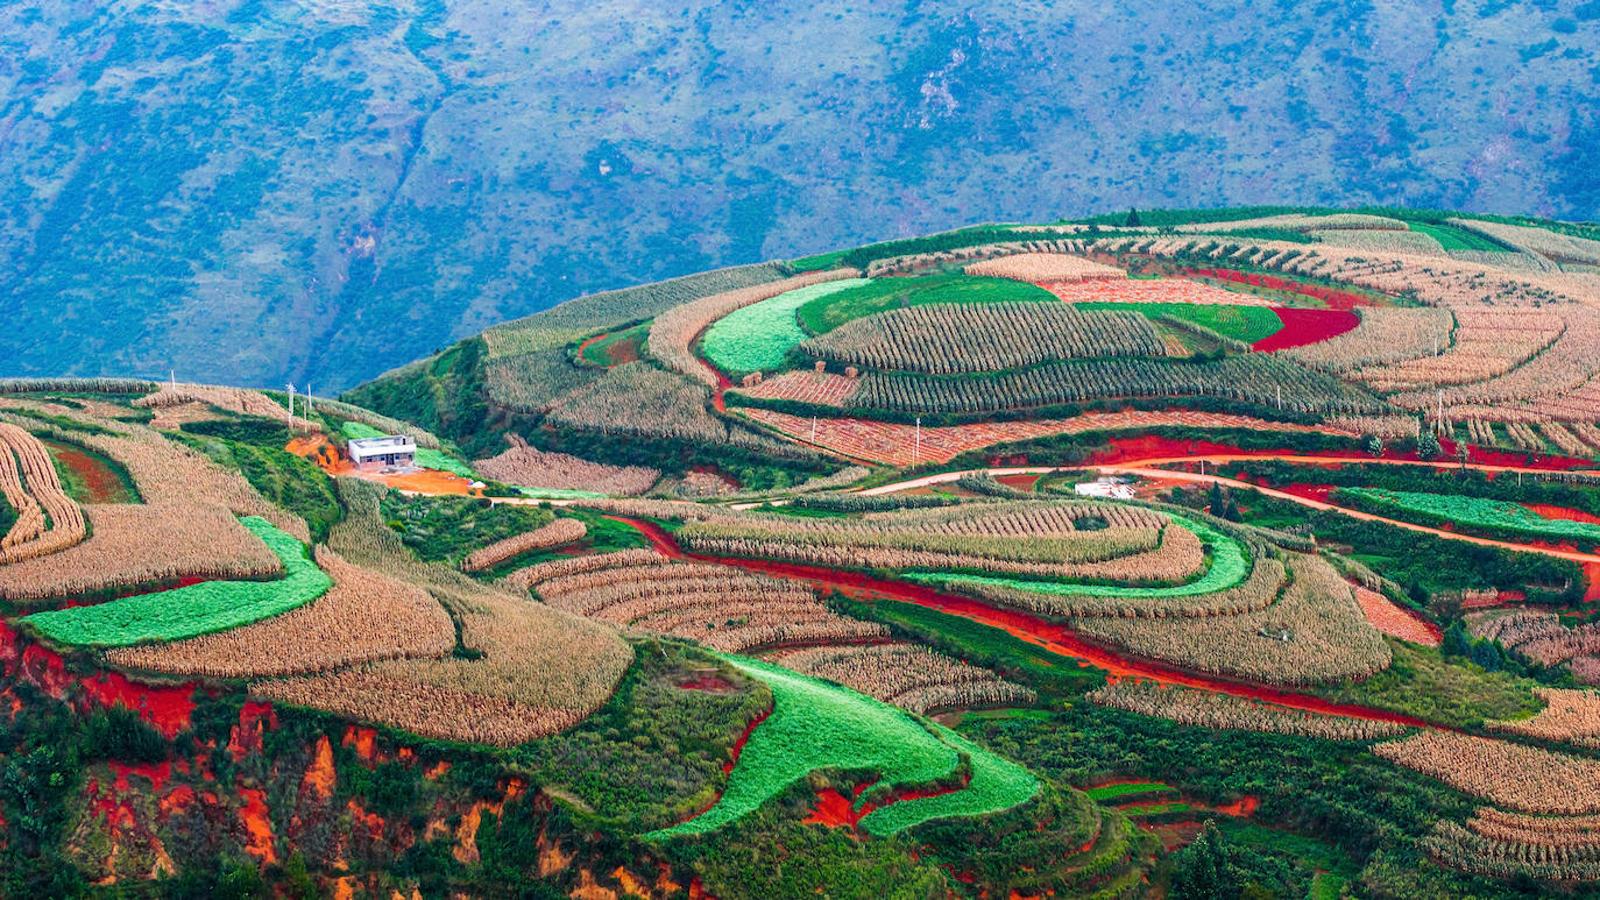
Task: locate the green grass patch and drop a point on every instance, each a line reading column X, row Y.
column 1422, row 682
column 289, row 481
column 828, row 312
column 1451, row 237
column 1107, row 793
column 447, row 528
column 818, row 726
column 196, row 609
column 426, row 458
column 1480, row 512
column 759, row 337
column 1241, row 322
column 997, row 784
column 1229, row 564
column 1156, row 809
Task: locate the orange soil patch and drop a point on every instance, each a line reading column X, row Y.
column 1551, row 511
column 320, row 775
column 257, row 825
column 318, row 449
column 437, row 770
column 101, row 484
column 1392, row 620
column 835, row 810
column 374, row 823
column 363, row 741
column 892, row 443
column 255, row 719
column 1244, row 807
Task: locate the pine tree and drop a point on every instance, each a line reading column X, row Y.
column 1133, row 219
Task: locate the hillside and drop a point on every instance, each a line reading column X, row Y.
column 262, row 192
column 1250, row 552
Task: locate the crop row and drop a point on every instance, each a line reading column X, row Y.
column 909, row 676
column 1263, row 379
column 529, row 466
column 1514, row 776
column 1468, row 851
column 722, row 607
column 674, row 331
column 1569, row 716
column 894, row 265
column 365, row 616
column 759, row 337
column 1314, row 633
column 1566, row 364
column 1540, row 637
column 639, row 400
column 1551, row 831
column 949, row 339
column 552, row 534
column 47, row 520
column 1386, row 335
column 1206, row 709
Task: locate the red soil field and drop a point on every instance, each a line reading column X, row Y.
column 165, row 707
column 1333, row 297
column 102, row 484
column 1051, row 636
column 1306, row 326
column 709, row 682
column 1551, row 511
column 738, row 744
column 1393, row 620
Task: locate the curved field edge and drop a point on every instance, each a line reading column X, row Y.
column 816, row 726
column 761, row 336
column 997, row 784
column 1482, row 512
column 195, row 609
column 1228, row 566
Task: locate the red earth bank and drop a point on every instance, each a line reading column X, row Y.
column 1306, row 326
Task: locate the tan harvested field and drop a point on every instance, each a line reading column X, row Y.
column 531, row 670
column 1513, row 776
column 1044, row 267
column 1386, row 336
column 892, row 443
column 908, row 675
column 366, row 616
column 531, row 467
column 805, row 386
column 47, row 520
column 1569, row 717
column 1225, row 711
column 1314, row 633
column 724, row 608
column 552, row 534
column 187, row 525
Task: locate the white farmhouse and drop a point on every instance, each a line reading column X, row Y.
column 392, row 451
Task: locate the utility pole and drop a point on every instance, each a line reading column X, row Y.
column 291, row 408
column 813, row 429
column 916, row 450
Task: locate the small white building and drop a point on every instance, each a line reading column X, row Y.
column 392, row 451
column 1105, row 488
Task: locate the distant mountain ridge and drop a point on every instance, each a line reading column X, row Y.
column 259, row 192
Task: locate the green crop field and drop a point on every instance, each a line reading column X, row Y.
column 1243, row 323
column 1500, row 515
column 816, row 726
column 193, row 610
column 1229, row 564
column 997, row 784
column 1452, row 238
column 759, row 337
column 881, row 294
column 426, row 458
column 1112, row 792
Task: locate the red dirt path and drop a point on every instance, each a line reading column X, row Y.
column 1051, row 636
column 1306, row 326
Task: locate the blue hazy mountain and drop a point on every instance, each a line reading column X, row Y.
column 265, row 191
